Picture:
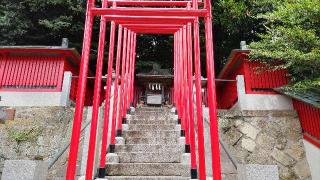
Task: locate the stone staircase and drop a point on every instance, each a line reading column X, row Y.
column 151, row 150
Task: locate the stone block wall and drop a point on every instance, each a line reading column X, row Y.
column 36, row 133
column 266, row 138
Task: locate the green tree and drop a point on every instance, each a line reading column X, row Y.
column 293, row 37
column 41, row 22
column 235, row 21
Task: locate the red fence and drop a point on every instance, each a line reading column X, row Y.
column 260, row 80
column 25, row 73
column 310, row 121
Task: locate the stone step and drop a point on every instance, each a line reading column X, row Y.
column 151, row 127
column 149, row 148
column 151, row 117
column 167, row 157
column 163, row 141
column 145, row 178
column 151, row 134
column 147, row 121
column 153, row 109
column 148, row 169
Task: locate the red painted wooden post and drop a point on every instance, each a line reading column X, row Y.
column 96, row 98
column 180, row 84
column 201, row 148
column 130, row 70
column 116, row 89
column 130, row 102
column 214, row 136
column 75, row 137
column 133, row 66
column 190, row 101
column 185, row 84
column 176, row 88
column 105, row 129
column 123, row 67
column 174, row 69
column 126, row 80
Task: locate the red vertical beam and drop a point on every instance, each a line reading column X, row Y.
column 180, row 82
column 134, row 64
column 130, row 69
column 126, row 79
column 123, row 67
column 214, row 136
column 96, row 97
column 185, row 85
column 75, row 137
column 174, row 68
column 179, row 90
column 176, row 75
column 116, row 87
column 190, row 102
column 105, row 129
column 201, row 150
column 130, row 72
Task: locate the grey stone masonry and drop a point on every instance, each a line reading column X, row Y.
column 258, row 172
column 24, row 170
column 266, row 138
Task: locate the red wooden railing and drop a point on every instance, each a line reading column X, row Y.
column 260, row 80
column 310, row 120
column 25, row 73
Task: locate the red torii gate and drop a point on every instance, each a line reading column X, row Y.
column 180, row 18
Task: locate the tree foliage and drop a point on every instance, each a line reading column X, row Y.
column 235, row 21
column 41, row 22
column 293, row 37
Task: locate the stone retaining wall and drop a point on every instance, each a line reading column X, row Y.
column 266, row 138
column 36, row 133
